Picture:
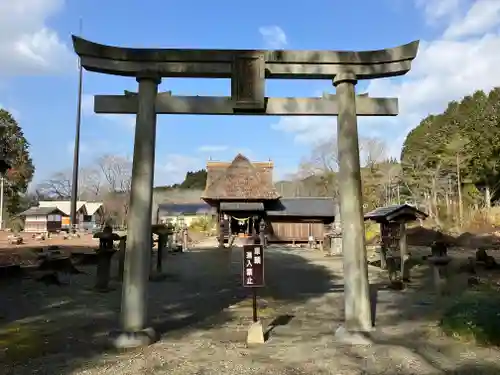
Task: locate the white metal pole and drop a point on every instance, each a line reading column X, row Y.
column 1, row 202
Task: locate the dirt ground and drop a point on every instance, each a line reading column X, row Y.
column 24, row 254
column 202, row 314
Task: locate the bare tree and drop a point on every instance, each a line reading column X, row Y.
column 324, row 156
column 58, row 186
column 317, row 173
column 372, row 151
column 109, row 180
column 117, row 172
column 91, row 183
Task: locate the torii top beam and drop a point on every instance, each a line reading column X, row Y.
column 218, row 63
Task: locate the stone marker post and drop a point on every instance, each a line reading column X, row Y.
column 121, row 257
column 185, row 237
column 162, row 245
column 262, row 233
column 222, row 227
column 138, row 249
column 356, row 288
column 405, row 257
column 336, row 234
column 104, row 255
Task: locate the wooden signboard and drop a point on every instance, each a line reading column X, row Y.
column 253, row 266
column 248, row 82
column 390, row 234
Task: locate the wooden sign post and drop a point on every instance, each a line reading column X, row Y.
column 253, row 272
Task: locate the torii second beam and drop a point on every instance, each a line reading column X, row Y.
column 214, row 105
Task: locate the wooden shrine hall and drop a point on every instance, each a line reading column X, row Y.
column 243, row 194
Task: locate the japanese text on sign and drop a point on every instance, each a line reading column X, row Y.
column 253, row 266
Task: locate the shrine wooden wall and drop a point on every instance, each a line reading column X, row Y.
column 289, row 231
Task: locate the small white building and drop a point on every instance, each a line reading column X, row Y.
column 42, row 219
column 88, row 214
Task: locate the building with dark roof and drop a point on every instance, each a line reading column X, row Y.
column 189, row 212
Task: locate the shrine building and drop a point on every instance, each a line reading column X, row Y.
column 244, row 193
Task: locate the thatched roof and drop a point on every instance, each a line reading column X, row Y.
column 241, row 180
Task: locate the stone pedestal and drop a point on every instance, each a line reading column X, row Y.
column 439, row 266
column 104, row 255
column 103, row 270
column 344, row 336
column 382, row 251
column 255, row 334
column 129, row 340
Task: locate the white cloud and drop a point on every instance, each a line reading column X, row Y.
column 438, row 9
column 308, row 129
column 172, row 169
column 445, row 69
column 212, row 148
column 27, row 44
column 274, row 36
column 482, row 16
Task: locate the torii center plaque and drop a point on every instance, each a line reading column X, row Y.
column 248, row 70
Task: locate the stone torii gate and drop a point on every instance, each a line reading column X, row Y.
column 248, row 70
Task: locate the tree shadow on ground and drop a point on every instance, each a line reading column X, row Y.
column 466, row 369
column 58, row 330
column 409, row 327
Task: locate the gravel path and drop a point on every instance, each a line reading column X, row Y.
column 202, row 313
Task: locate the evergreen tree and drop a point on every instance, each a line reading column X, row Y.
column 15, row 149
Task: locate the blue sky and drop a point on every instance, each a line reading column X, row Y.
column 38, row 75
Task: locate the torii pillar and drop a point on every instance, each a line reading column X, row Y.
column 137, row 255
column 356, row 287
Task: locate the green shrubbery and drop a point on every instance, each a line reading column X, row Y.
column 202, row 224
column 474, row 316
column 372, row 232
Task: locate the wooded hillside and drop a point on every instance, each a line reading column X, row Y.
column 450, row 162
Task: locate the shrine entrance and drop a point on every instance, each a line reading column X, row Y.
column 243, row 226
column 243, row 218
column 248, row 71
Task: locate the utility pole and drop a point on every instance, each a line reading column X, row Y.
column 76, row 156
